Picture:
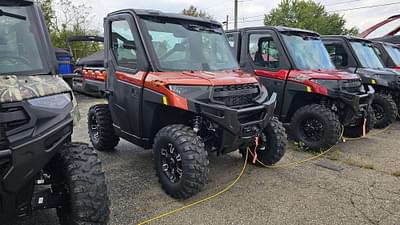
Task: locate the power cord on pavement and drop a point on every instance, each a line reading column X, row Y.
column 285, row 165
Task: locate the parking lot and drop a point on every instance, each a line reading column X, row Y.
column 362, row 186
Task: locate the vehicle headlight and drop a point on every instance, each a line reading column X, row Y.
column 59, row 101
column 190, row 91
column 327, row 83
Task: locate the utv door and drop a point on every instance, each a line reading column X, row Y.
column 263, row 55
column 125, row 80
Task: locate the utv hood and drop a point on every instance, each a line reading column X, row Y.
column 384, row 77
column 17, row 88
column 203, row 78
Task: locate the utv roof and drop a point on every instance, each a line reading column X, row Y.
column 16, row 2
column 157, row 13
column 347, row 37
column 60, row 52
column 277, row 28
column 96, row 59
column 390, row 39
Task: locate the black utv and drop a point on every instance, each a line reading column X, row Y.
column 358, row 55
column 174, row 86
column 39, row 166
column 315, row 98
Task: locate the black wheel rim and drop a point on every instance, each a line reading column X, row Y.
column 312, row 129
column 94, row 128
column 171, row 163
column 379, row 111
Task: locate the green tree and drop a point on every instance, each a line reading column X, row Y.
column 308, row 15
column 70, row 20
column 193, row 11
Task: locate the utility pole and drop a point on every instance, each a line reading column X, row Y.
column 236, row 14
column 227, row 22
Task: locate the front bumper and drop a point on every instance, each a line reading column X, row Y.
column 32, row 144
column 355, row 105
column 238, row 126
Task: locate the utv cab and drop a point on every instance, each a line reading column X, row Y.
column 90, row 69
column 314, row 97
column 174, row 86
column 389, row 54
column 358, row 55
column 39, row 166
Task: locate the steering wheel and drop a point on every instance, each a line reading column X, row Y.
column 16, row 58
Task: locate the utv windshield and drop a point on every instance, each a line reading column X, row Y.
column 185, row 46
column 394, row 53
column 366, row 54
column 19, row 51
column 307, row 51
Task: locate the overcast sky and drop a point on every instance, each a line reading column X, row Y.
column 250, row 11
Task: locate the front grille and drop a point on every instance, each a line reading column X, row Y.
column 13, row 117
column 235, row 95
column 351, row 85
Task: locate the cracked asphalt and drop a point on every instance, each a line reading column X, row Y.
column 363, row 191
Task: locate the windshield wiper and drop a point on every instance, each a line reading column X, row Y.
column 194, row 27
column 12, row 15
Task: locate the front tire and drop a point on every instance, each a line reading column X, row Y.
column 385, row 110
column 276, row 142
column 101, row 130
column 316, row 126
column 84, row 182
column 356, row 131
column 181, row 161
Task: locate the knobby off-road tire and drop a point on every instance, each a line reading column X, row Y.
column 316, row 119
column 101, row 130
column 84, row 180
column 276, row 142
column 356, row 130
column 385, row 110
column 189, row 156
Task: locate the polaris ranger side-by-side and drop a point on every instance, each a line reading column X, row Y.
column 174, row 85
column 39, row 166
column 92, row 75
column 314, row 97
column 357, row 55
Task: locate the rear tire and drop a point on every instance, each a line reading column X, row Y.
column 276, row 139
column 101, row 130
column 357, row 130
column 316, row 126
column 85, row 182
column 181, row 161
column 385, row 110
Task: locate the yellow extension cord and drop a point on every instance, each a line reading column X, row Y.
column 286, row 165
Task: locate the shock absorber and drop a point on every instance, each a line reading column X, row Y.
column 197, row 123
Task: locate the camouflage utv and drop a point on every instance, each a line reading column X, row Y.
column 39, row 166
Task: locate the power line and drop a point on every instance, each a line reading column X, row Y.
column 245, row 19
column 365, row 7
column 339, row 3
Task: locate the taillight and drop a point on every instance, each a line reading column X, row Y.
column 95, row 75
